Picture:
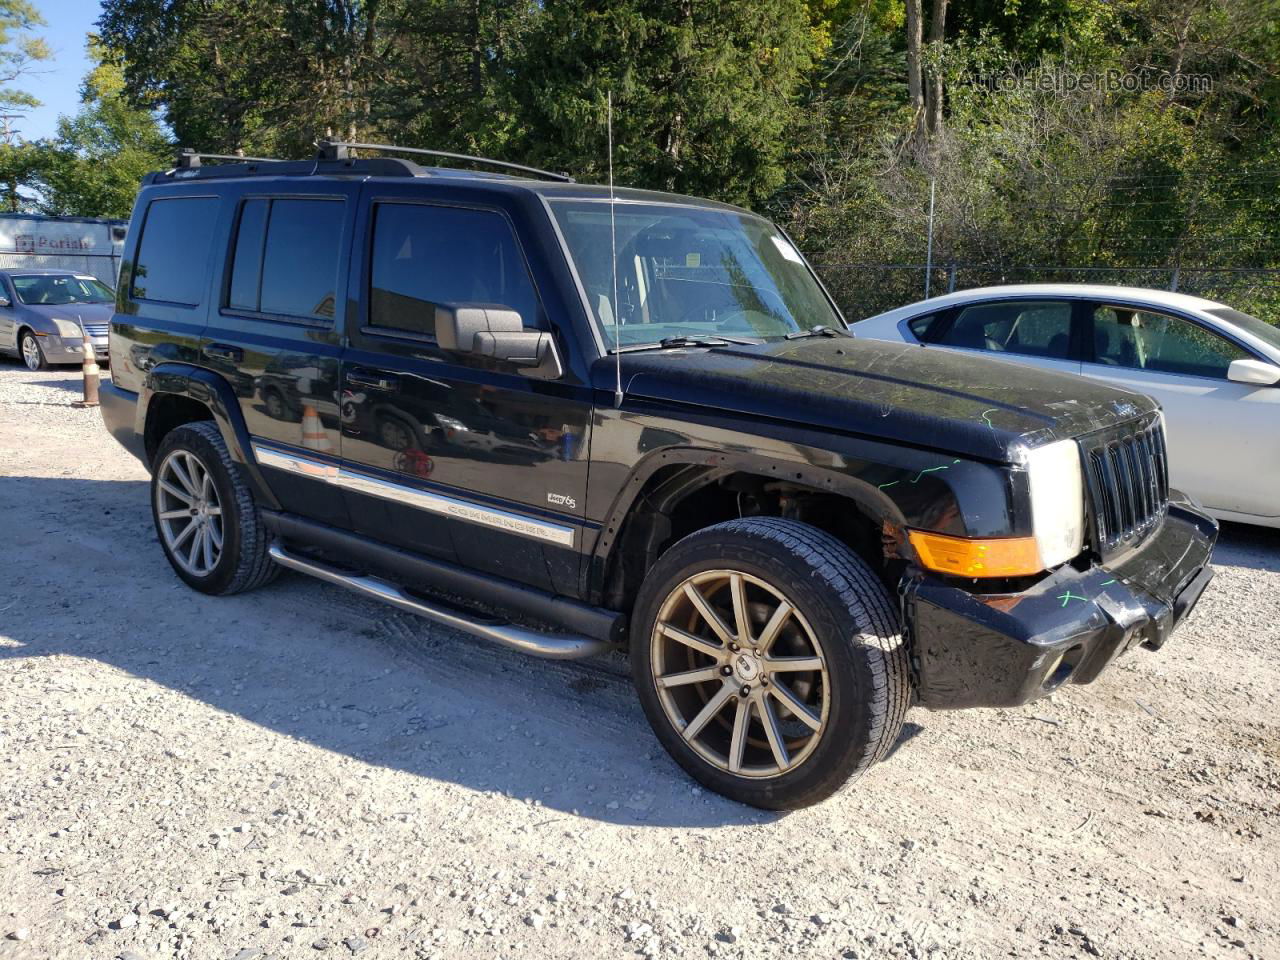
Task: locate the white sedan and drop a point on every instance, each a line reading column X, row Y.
column 1215, row 370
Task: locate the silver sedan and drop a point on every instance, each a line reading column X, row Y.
column 46, row 314
column 1215, row 370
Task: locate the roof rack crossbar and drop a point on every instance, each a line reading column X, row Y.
column 337, row 150
column 188, row 158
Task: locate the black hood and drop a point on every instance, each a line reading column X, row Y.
column 924, row 396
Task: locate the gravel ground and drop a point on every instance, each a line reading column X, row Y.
column 299, row 772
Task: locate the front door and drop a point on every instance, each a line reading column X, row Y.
column 275, row 335
column 455, row 455
column 1221, row 434
column 8, row 319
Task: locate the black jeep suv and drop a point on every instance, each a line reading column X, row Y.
column 593, row 419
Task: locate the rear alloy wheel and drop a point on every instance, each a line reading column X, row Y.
column 189, row 513
column 205, row 515
column 32, row 354
column 769, row 659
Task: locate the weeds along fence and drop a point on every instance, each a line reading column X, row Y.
column 865, row 289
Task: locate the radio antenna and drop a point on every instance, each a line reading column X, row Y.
column 613, row 244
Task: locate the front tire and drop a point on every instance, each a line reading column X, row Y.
column 205, row 516
column 31, row 352
column 770, row 661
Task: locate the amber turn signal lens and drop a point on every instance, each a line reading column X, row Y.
column 961, row 557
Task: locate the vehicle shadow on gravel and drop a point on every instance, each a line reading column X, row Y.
column 1255, row 548
column 316, row 664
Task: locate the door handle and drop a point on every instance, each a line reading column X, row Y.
column 220, row 351
column 367, row 378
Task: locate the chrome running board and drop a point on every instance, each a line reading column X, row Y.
column 555, row 646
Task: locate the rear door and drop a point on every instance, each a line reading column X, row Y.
column 456, row 455
column 1038, row 332
column 1221, row 434
column 8, row 323
column 276, row 333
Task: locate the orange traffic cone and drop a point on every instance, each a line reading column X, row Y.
column 314, row 436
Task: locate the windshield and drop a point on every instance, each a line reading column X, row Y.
column 1267, row 333
column 690, row 272
column 46, row 290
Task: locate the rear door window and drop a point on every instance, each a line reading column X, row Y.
column 285, row 258
column 1033, row 328
column 172, row 262
column 426, row 255
column 1156, row 342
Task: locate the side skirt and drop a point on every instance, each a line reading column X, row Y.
column 590, row 630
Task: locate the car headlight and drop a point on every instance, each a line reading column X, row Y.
column 1057, row 501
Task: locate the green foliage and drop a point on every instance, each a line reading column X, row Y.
column 796, row 107
column 20, row 50
column 94, row 165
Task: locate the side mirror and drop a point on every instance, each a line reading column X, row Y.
column 492, row 330
column 1257, row 372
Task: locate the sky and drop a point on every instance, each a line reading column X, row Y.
column 57, row 84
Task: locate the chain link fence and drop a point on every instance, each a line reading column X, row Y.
column 865, row 289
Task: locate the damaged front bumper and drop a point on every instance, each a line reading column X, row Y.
column 1002, row 650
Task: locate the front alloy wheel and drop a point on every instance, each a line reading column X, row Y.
column 32, row 355
column 769, row 660
column 748, row 695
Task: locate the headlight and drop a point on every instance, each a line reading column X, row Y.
column 1057, row 501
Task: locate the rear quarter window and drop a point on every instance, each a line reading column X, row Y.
column 172, row 262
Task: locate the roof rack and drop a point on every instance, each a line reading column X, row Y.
column 340, row 150
column 189, row 159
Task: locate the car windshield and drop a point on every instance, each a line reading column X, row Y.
column 53, row 290
column 1266, row 332
column 689, row 272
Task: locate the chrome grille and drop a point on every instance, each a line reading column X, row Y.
column 1128, row 478
column 95, row 329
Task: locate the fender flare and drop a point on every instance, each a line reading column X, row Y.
column 718, row 464
column 215, row 394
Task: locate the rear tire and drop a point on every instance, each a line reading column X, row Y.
column 822, row 637
column 205, row 515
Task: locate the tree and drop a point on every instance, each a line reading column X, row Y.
column 704, row 93
column 93, row 167
column 20, row 51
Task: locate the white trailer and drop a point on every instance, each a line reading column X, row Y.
column 87, row 245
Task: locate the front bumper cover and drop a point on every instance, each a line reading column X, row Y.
column 1002, row 650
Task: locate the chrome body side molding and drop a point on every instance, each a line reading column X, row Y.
column 361, row 482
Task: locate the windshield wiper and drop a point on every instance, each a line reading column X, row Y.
column 821, row 331
column 667, row 343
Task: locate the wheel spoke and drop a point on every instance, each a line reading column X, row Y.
column 708, row 613
column 195, row 549
column 771, row 629
column 701, row 675
column 207, row 539
column 689, row 640
column 738, row 745
column 181, row 538
column 174, row 514
column 713, row 706
column 215, row 533
column 173, row 491
column 773, row 734
column 792, row 664
column 213, row 512
column 803, row 713
column 741, row 618
column 205, row 483
column 179, row 471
